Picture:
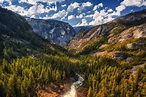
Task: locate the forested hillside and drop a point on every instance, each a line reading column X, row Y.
column 112, row 62
column 28, row 62
column 116, row 56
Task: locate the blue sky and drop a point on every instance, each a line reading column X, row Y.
column 75, row 12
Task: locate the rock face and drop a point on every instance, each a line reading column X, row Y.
column 118, row 31
column 86, row 36
column 134, row 18
column 56, row 31
column 75, row 41
column 133, row 32
column 136, row 46
column 17, row 35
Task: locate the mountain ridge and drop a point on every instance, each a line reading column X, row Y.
column 110, row 28
column 18, row 35
column 32, row 66
column 53, row 30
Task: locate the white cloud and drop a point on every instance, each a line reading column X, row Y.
column 17, row 9
column 1, row 1
column 80, row 16
column 119, row 9
column 61, row 14
column 72, row 6
column 144, row 3
column 89, row 16
column 64, row 5
column 100, row 17
column 127, row 3
column 71, row 17
column 35, row 1
column 32, row 11
column 96, row 14
column 133, row 2
column 87, row 4
column 97, row 6
column 37, row 9
column 109, row 10
column 9, row 1
column 83, row 23
column 84, row 5
column 105, row 15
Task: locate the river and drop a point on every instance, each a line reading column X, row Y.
column 74, row 86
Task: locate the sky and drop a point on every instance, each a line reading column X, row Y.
column 75, row 12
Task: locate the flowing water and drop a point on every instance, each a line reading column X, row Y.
column 72, row 91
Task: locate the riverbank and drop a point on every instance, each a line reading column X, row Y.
column 58, row 89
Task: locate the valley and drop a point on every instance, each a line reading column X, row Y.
column 107, row 60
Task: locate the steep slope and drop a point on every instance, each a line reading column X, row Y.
column 56, row 31
column 107, row 31
column 18, row 39
column 116, row 54
column 27, row 61
column 38, row 69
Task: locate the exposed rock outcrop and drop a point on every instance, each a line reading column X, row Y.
column 121, row 29
column 79, row 42
column 136, row 45
column 56, row 31
column 131, row 33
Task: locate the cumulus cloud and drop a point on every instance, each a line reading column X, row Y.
column 36, row 9
column 84, row 5
column 105, row 15
column 1, row 1
column 61, row 14
column 95, row 16
column 119, row 9
column 83, row 23
column 138, row 3
column 127, row 3
column 17, row 9
column 89, row 16
column 64, row 5
column 80, row 16
column 100, row 17
column 72, row 6
column 97, row 6
column 35, row 1
column 87, row 4
column 109, row 10
column 32, row 11
column 9, row 1
column 71, row 17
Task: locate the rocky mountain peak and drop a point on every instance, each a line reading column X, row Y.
column 56, row 31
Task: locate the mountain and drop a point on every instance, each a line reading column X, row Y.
column 110, row 32
column 115, row 55
column 78, row 28
column 28, row 61
column 110, row 60
column 18, row 39
column 56, row 31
